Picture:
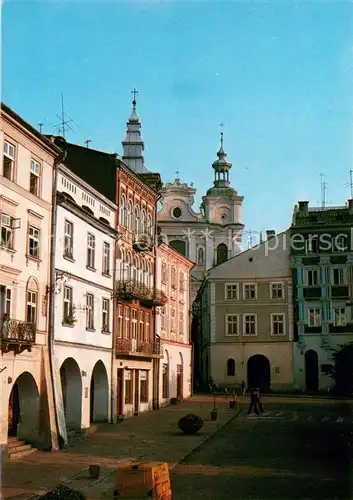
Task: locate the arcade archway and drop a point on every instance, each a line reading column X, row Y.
column 71, row 384
column 24, row 409
column 259, row 372
column 99, row 402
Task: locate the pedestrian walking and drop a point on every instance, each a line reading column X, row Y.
column 253, row 402
column 259, row 404
column 243, row 388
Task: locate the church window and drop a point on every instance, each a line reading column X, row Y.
column 222, row 253
column 177, row 212
column 200, row 256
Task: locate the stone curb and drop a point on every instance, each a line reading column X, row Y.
column 198, row 446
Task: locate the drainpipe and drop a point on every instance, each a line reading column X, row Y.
column 59, row 160
column 156, row 361
column 112, row 388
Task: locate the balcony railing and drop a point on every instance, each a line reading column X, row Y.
column 143, row 243
column 17, row 335
column 134, row 347
column 128, row 290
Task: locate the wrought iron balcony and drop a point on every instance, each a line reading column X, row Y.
column 17, row 335
column 143, row 243
column 134, row 347
column 128, row 290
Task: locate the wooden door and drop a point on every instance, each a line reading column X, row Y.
column 120, row 392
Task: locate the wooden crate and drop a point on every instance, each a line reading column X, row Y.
column 142, row 480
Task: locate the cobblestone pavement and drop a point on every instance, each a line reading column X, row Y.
column 151, row 436
column 273, row 458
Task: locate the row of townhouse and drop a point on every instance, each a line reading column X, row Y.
column 83, row 290
column 273, row 315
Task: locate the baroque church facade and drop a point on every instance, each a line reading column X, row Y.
column 211, row 235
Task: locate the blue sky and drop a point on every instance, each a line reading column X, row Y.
column 279, row 76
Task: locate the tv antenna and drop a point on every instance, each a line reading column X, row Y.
column 65, row 120
column 324, row 201
column 87, row 142
column 40, row 125
column 351, row 181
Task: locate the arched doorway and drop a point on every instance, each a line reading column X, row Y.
column 222, row 253
column 230, row 367
column 165, row 376
column 259, row 372
column 311, row 370
column 71, row 384
column 99, row 402
column 24, row 409
column 180, row 377
column 179, row 246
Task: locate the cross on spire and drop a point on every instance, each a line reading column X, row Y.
column 221, row 126
column 177, row 174
column 134, row 92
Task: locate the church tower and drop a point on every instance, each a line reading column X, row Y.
column 133, row 146
column 211, row 235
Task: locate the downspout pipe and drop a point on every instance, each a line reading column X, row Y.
column 60, row 159
column 156, row 361
column 112, row 387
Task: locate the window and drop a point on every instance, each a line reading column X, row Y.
column 312, row 245
column 8, row 302
column 163, row 319
column 91, row 250
column 34, row 178
column 33, row 242
column 147, row 330
column 181, row 323
column 9, row 160
column 143, row 221
column 165, row 380
column 129, row 215
column 89, row 311
column 250, row 291
column 339, row 316
column 277, row 324
column 142, row 327
column 314, row 316
column 277, row 291
column 134, row 324
column 32, row 301
column 128, row 387
column 69, row 239
column 338, row 276
column 232, row 324
column 149, row 225
column 122, row 211
column 173, row 321
column 68, row 306
column 181, row 282
column 6, row 231
column 137, row 220
column 200, row 256
column 313, row 277
column 250, row 324
column 230, row 368
column 120, row 321
column 106, row 258
column 164, row 273
column 143, row 386
column 173, row 278
column 231, row 291
column 105, row 315
column 127, row 322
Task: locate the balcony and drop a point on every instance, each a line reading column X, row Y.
column 17, row 336
column 312, row 293
column 143, row 243
column 137, row 348
column 129, row 290
column 341, row 292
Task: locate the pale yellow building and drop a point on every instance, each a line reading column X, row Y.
column 246, row 319
column 26, row 178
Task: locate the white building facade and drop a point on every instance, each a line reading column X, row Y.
column 210, row 236
column 173, row 325
column 84, row 266
column 26, row 173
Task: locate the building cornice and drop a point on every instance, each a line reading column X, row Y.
column 80, row 212
column 91, row 347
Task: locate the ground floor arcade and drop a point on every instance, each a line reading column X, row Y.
column 175, row 373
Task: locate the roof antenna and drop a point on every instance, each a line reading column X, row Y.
column 65, row 120
column 40, row 125
column 87, row 142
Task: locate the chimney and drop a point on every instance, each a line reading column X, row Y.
column 270, row 234
column 303, row 207
column 350, row 206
